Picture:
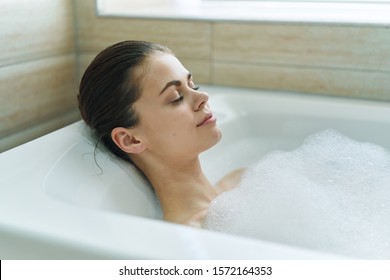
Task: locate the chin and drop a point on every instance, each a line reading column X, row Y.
column 219, row 135
column 212, row 140
column 217, row 138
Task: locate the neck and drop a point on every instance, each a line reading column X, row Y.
column 182, row 188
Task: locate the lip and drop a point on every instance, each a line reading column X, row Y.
column 208, row 119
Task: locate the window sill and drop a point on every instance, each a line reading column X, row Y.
column 291, row 12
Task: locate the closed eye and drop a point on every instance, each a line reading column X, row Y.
column 181, row 97
column 178, row 100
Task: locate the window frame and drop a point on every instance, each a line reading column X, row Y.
column 312, row 1
column 345, row 12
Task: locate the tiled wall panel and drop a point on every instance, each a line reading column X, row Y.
column 351, row 61
column 36, row 91
column 349, row 83
column 37, row 68
column 189, row 40
column 186, row 39
column 331, row 46
column 34, row 29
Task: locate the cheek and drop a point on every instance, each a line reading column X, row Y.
column 168, row 128
column 180, row 122
column 171, row 126
column 180, row 129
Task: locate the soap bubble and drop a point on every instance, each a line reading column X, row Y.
column 331, row 194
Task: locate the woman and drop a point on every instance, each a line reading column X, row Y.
column 143, row 105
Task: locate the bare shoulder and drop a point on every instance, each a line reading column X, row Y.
column 230, row 180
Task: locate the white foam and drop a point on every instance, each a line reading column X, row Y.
column 330, row 194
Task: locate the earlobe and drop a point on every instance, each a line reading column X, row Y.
column 126, row 141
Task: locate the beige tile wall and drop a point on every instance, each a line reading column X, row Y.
column 37, row 69
column 191, row 41
column 351, row 61
column 325, row 59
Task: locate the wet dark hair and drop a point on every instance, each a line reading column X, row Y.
column 110, row 86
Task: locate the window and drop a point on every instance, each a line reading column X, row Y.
column 316, row 11
column 339, row 1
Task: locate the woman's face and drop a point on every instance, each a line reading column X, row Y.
column 175, row 119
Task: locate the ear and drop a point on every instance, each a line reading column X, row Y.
column 126, row 141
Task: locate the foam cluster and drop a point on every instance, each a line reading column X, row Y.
column 331, row 194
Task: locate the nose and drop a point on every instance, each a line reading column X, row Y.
column 200, row 99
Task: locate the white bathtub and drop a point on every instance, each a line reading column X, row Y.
column 56, row 203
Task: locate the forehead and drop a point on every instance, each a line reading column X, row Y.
column 164, row 68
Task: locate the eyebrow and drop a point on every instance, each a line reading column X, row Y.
column 175, row 83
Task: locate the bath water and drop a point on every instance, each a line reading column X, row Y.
column 330, row 194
